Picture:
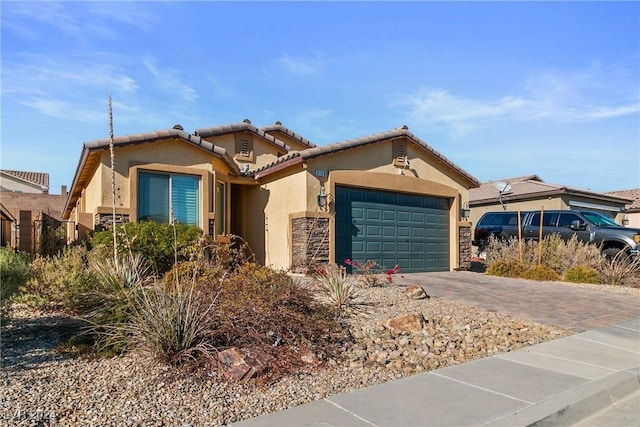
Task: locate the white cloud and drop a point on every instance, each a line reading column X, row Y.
column 300, row 66
column 590, row 95
column 168, row 79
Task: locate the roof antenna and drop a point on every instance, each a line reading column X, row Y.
column 503, row 188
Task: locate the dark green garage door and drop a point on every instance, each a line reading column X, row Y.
column 407, row 230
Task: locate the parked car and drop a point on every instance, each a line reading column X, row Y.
column 588, row 226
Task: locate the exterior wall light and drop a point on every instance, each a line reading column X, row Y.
column 625, row 221
column 322, row 198
column 465, row 211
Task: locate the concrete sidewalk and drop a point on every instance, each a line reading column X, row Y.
column 578, row 379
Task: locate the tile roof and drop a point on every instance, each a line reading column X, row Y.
column 633, row 194
column 278, row 127
column 239, row 127
column 317, row 151
column 531, row 187
column 40, row 179
column 126, row 140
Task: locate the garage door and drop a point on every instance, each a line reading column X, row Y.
column 407, row 230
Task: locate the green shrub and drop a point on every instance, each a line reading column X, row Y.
column 557, row 254
column 506, row 268
column 161, row 244
column 14, row 273
column 540, row 272
column 59, row 280
column 582, row 274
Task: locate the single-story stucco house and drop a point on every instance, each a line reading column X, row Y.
column 387, row 197
column 528, row 193
column 631, row 209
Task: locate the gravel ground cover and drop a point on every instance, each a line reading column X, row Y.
column 41, row 386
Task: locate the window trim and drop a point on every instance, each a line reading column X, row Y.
column 204, row 191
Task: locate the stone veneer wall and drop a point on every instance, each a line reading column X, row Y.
column 104, row 220
column 464, row 245
column 310, row 242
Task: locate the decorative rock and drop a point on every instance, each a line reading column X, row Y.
column 242, row 366
column 407, row 323
column 416, row 292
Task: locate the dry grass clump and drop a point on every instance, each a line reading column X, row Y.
column 571, row 261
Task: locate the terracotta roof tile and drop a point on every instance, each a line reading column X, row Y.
column 633, row 194
column 39, row 178
column 370, row 139
column 523, row 188
column 123, row 141
column 239, row 127
column 278, row 127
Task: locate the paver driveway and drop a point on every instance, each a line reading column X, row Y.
column 551, row 303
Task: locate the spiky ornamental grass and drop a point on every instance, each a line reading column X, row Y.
column 169, row 323
column 339, row 289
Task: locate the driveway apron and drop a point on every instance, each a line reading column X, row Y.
column 553, row 303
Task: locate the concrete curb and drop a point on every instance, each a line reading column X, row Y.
column 578, row 404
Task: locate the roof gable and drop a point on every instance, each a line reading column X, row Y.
column 531, row 187
column 244, row 126
column 39, row 179
column 632, row 194
column 402, row 132
column 277, row 129
column 176, row 133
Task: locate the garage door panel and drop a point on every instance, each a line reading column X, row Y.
column 392, row 228
column 404, row 216
column 389, row 231
column 389, row 215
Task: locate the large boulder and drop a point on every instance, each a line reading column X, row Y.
column 408, row 323
column 415, row 292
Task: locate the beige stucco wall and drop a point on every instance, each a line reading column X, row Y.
column 9, row 183
column 634, row 219
column 263, row 151
column 269, row 220
column 369, row 167
column 173, row 156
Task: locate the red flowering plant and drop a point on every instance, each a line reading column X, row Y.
column 372, row 274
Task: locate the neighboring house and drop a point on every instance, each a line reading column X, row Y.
column 25, row 196
column 632, row 209
column 7, row 225
column 532, row 193
column 24, row 182
column 387, row 197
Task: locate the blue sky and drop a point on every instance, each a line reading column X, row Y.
column 502, row 89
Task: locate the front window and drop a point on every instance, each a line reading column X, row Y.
column 166, row 197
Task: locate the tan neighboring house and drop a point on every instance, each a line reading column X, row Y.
column 387, row 197
column 532, row 193
column 26, row 199
column 7, row 225
column 632, row 209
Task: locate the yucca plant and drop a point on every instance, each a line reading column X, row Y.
column 168, row 323
column 339, row 289
column 112, row 300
